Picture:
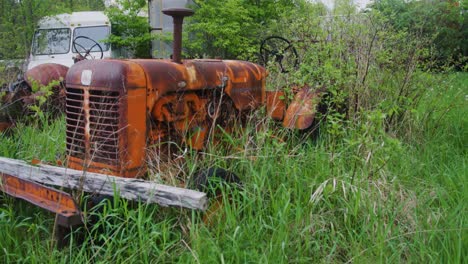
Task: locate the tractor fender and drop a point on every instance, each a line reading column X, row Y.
column 46, row 73
column 301, row 112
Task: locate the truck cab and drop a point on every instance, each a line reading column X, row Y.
column 63, row 38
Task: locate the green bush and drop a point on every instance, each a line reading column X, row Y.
column 233, row 28
column 130, row 31
column 440, row 25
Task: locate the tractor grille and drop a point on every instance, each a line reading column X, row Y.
column 93, row 125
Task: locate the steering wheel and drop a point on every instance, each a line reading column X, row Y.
column 87, row 52
column 281, row 51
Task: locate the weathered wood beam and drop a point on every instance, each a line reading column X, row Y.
column 131, row 189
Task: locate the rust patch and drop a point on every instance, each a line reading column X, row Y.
column 45, row 197
column 46, row 73
column 276, row 105
column 301, row 112
column 4, row 126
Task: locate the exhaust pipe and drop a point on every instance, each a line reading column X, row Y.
column 177, row 15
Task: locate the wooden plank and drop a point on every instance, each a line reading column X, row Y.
column 131, row 189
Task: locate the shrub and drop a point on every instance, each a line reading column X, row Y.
column 130, row 31
column 232, row 28
column 440, row 24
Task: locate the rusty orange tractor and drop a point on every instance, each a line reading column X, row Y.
column 116, row 108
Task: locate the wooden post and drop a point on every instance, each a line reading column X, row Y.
column 131, row 189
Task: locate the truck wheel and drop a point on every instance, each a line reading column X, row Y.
column 211, row 182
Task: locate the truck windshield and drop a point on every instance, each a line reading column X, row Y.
column 98, row 34
column 51, row 41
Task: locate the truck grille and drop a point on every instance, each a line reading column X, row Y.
column 93, row 125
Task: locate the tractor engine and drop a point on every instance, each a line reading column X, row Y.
column 116, row 108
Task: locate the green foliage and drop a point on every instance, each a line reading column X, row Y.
column 222, row 28
column 440, row 25
column 232, row 28
column 366, row 64
column 42, row 138
column 130, row 31
column 43, row 94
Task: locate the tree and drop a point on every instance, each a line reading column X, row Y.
column 441, row 23
column 130, row 31
column 232, row 28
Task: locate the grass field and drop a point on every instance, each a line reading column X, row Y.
column 364, row 198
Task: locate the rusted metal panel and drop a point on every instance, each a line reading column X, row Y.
column 106, row 75
column 242, row 81
column 301, row 112
column 4, row 126
column 46, row 73
column 276, row 105
column 45, row 197
column 247, row 84
column 165, row 77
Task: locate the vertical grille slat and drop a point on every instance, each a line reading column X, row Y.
column 75, row 123
column 103, row 124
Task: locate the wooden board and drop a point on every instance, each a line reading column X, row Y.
column 131, row 189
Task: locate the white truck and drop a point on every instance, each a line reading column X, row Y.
column 62, row 38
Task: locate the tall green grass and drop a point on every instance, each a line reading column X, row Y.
column 41, row 138
column 367, row 197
